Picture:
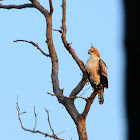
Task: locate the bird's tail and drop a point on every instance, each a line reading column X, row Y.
column 101, row 96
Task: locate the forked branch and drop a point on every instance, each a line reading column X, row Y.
column 36, row 131
column 68, row 47
column 68, row 102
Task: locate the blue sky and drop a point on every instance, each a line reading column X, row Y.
column 26, row 72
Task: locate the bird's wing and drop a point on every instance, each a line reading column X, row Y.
column 103, row 73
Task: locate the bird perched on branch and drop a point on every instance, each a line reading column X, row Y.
column 97, row 73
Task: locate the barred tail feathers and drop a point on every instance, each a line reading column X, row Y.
column 101, row 96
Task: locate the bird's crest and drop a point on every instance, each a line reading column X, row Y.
column 93, row 50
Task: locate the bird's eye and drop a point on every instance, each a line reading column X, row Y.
column 91, row 51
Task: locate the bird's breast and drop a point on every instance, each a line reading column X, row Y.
column 92, row 67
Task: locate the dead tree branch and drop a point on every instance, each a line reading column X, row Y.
column 89, row 103
column 80, row 63
column 33, row 131
column 28, row 5
column 50, row 123
column 79, row 87
column 51, row 7
column 34, row 44
column 66, row 44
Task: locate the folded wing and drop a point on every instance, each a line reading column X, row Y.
column 103, row 73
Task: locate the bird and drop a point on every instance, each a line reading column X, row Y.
column 97, row 73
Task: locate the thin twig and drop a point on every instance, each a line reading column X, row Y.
column 22, row 113
column 34, row 44
column 60, row 133
column 72, row 97
column 35, row 120
column 85, row 91
column 49, row 122
column 60, row 31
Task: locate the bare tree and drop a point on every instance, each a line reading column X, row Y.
column 67, row 102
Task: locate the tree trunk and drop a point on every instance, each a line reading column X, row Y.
column 81, row 129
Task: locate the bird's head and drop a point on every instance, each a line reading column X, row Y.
column 94, row 51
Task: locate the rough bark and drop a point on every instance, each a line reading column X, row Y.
column 81, row 129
